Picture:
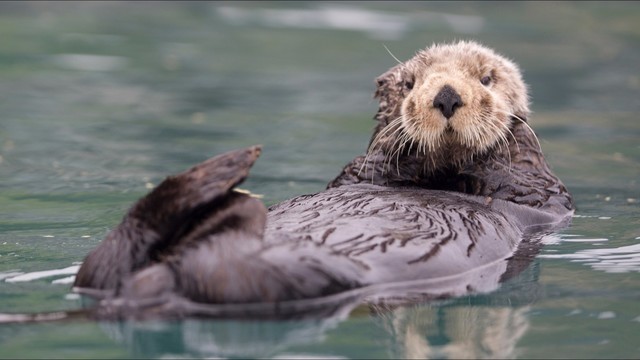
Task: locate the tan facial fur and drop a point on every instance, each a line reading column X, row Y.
column 487, row 92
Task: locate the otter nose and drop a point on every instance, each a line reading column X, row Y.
column 447, row 101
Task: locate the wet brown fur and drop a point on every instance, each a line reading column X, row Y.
column 196, row 238
column 486, row 148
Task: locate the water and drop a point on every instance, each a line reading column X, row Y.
column 100, row 101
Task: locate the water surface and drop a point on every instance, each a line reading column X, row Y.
column 100, row 101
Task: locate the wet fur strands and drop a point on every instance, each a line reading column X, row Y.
column 453, row 180
column 482, row 144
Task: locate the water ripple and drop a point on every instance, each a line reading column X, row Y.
column 71, row 270
column 376, row 24
column 612, row 260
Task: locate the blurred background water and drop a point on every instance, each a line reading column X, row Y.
column 99, row 101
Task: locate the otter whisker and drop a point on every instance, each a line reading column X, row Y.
column 382, row 133
column 416, row 142
column 397, row 148
column 468, row 138
column 400, row 141
column 430, row 141
column 399, row 151
column 505, row 135
column 532, row 132
column 396, row 154
column 504, row 141
column 411, row 146
column 528, row 127
column 394, row 126
column 500, row 129
column 390, row 129
column 393, row 56
column 425, row 142
column 408, row 140
column 515, row 141
column 388, row 153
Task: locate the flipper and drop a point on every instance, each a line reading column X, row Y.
column 180, row 210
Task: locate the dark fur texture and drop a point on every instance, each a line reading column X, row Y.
column 384, row 219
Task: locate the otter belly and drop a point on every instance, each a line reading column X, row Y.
column 196, row 239
column 368, row 234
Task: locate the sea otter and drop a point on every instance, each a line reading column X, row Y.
column 453, row 179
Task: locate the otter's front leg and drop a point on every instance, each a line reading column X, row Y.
column 363, row 169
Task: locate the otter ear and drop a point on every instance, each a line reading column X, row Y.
column 387, row 82
column 388, row 92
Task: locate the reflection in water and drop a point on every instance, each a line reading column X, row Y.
column 485, row 326
column 219, row 338
column 420, row 320
column 460, row 332
column 420, row 331
column 456, row 331
column 425, row 331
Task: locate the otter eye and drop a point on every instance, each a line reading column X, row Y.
column 408, row 84
column 486, row 80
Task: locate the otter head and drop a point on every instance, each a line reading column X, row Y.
column 449, row 104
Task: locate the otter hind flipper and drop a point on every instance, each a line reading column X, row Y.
column 214, row 262
column 179, row 195
column 205, row 262
column 165, row 217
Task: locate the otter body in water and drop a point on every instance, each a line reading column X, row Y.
column 453, row 180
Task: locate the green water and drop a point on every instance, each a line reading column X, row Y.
column 99, row 101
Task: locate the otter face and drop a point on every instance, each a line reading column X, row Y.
column 450, row 103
